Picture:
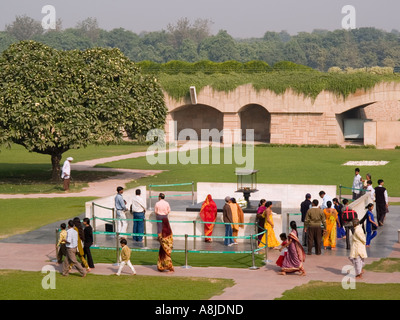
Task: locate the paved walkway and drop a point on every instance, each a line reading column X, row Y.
column 260, row 284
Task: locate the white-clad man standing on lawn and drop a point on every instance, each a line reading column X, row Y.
column 66, row 173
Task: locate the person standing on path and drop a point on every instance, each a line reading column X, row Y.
column 348, row 215
column 331, row 218
column 268, row 239
column 371, row 224
column 61, row 248
column 120, row 207
column 382, row 202
column 325, row 198
column 162, row 210
column 66, row 173
column 357, row 184
column 315, row 217
column 88, row 242
column 358, row 251
column 71, row 244
column 166, row 239
column 138, row 211
column 227, row 218
column 304, row 206
column 208, row 213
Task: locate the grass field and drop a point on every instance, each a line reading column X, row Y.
column 319, row 290
column 28, row 172
column 230, row 260
column 280, row 165
column 24, row 285
column 24, row 215
column 384, row 265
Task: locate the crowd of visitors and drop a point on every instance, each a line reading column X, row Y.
column 325, row 221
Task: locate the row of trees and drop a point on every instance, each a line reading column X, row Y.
column 191, row 42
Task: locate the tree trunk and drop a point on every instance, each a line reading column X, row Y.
column 55, row 162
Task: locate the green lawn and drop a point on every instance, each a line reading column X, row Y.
column 384, row 265
column 28, row 172
column 24, row 215
column 319, row 290
column 281, row 165
column 24, row 285
column 230, row 260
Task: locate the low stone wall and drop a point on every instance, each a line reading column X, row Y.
column 382, row 134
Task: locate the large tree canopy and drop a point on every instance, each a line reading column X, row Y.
column 52, row 101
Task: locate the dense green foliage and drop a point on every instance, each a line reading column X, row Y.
column 192, row 42
column 307, row 82
column 52, row 101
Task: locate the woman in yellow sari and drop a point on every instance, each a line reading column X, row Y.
column 331, row 217
column 166, row 240
column 81, row 237
column 237, row 217
column 269, row 226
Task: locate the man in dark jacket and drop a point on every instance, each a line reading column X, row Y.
column 87, row 243
column 304, row 206
column 227, row 218
column 382, row 202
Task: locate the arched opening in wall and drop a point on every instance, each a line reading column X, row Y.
column 199, row 120
column 254, row 116
column 351, row 124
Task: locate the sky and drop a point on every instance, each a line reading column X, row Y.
column 240, row 18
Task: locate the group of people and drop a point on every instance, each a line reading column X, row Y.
column 74, row 241
column 324, row 223
column 138, row 209
column 378, row 194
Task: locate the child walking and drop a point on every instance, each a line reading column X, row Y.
column 125, row 257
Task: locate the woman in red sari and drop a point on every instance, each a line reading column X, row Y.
column 208, row 213
column 166, row 242
column 295, row 256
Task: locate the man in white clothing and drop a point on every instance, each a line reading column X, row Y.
column 71, row 245
column 66, row 173
column 325, row 199
column 357, row 184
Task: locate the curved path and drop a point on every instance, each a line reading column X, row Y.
column 99, row 188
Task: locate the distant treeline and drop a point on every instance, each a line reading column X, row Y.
column 193, row 42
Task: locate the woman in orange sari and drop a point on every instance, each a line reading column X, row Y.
column 166, row 242
column 331, row 217
column 208, row 213
column 238, row 217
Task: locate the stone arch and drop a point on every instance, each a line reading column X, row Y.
column 351, row 122
column 255, row 116
column 197, row 117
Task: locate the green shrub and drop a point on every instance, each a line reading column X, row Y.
column 256, row 66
